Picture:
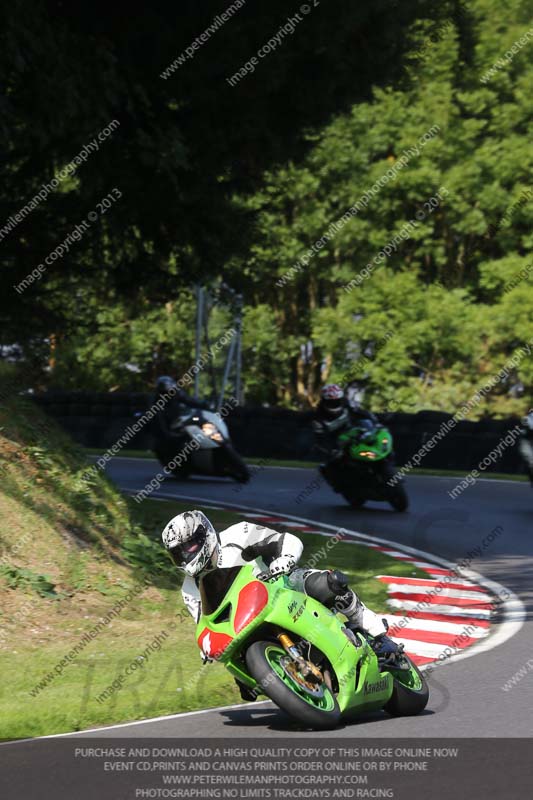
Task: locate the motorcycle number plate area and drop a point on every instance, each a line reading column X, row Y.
column 213, row 643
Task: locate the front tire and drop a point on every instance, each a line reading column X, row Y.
column 235, row 466
column 356, row 501
column 265, row 662
column 396, row 494
column 398, row 498
column 410, row 694
column 165, row 457
column 181, row 473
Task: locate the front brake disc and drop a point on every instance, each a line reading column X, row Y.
column 291, row 670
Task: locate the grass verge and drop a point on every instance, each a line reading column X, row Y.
column 149, row 649
column 89, row 599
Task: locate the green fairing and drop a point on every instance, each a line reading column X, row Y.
column 361, row 685
column 374, row 449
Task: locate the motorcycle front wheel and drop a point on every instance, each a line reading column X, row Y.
column 165, row 458
column 233, row 464
column 396, row 494
column 313, row 705
column 398, row 498
column 356, row 501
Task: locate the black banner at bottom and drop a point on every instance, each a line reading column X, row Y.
column 292, row 768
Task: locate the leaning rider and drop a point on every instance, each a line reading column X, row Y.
column 198, row 550
column 169, row 440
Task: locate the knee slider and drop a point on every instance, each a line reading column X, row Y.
column 317, row 585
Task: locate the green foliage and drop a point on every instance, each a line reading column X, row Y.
column 39, row 456
column 186, row 140
column 248, row 199
column 130, row 345
column 149, row 557
column 450, row 296
column 267, row 353
column 26, row 579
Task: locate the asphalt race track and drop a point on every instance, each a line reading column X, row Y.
column 467, row 699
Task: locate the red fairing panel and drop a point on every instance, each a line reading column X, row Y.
column 252, row 600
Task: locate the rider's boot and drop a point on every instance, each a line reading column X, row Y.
column 384, row 647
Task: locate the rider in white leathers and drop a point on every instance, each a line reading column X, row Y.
column 198, row 550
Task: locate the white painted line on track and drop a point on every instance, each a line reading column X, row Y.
column 136, row 722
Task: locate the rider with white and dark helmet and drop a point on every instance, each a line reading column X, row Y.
column 198, row 550
column 333, row 416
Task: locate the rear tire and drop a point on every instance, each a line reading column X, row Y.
column 258, row 660
column 406, row 701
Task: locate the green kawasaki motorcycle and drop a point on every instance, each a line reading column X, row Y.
column 303, row 656
column 366, row 470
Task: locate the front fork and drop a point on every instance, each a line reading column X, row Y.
column 307, row 669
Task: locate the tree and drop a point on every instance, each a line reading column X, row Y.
column 186, row 141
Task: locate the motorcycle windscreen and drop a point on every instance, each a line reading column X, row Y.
column 214, row 587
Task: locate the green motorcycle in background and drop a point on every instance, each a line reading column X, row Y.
column 284, row 644
column 366, row 470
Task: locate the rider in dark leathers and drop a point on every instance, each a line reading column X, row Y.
column 334, row 416
column 168, row 441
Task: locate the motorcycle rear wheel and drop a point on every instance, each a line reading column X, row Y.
column 410, row 694
column 319, row 711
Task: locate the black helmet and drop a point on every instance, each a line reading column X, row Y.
column 165, row 384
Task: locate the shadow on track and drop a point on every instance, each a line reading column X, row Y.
column 275, row 719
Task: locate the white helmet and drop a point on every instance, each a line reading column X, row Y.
column 192, row 541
